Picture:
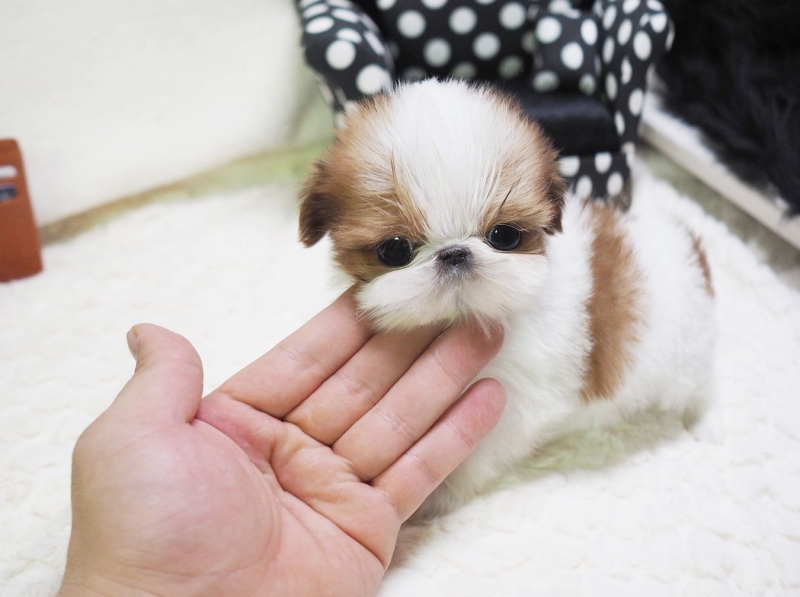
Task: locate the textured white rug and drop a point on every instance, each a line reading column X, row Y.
column 647, row 509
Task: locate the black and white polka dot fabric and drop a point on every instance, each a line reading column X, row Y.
column 359, row 49
column 479, row 39
column 346, row 50
column 566, row 54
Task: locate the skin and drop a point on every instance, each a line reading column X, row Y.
column 292, row 478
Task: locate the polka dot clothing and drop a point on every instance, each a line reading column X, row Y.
column 357, row 50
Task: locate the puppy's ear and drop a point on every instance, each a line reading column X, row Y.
column 318, row 208
column 555, row 194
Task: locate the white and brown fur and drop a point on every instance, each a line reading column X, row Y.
column 605, row 314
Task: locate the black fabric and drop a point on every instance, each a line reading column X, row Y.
column 734, row 72
column 578, row 124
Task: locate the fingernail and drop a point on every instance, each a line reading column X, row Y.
column 133, row 342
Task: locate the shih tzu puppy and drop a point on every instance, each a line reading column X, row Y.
column 443, row 202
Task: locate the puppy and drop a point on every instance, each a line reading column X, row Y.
column 443, row 202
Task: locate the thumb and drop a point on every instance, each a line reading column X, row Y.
column 168, row 381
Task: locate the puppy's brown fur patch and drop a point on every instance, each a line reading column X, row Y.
column 613, row 307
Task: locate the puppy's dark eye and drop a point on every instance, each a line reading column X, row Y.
column 395, row 252
column 504, row 237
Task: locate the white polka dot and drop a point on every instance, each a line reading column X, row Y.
column 608, row 50
column 341, row 3
column 602, row 161
column 670, row 38
column 512, row 15
column 583, row 188
column 374, row 43
column 624, row 33
column 572, row 55
column 413, row 73
column 627, row 71
column 545, row 81
column 630, row 5
column 484, row 2
column 655, row 5
column 589, row 32
column 411, row 24
column 486, row 46
column 319, row 25
column 609, row 17
column 587, row 84
column 615, row 184
column 611, row 86
column 385, row 4
column 529, row 42
column 636, row 101
column 349, row 35
column 548, row 30
column 464, row 70
column 340, row 54
column 563, row 7
column 642, row 45
column 659, row 22
column 433, row 4
column 437, row 52
column 629, row 151
column 462, row 20
column 643, row 22
column 619, row 122
column 315, row 11
column 345, row 15
column 511, row 66
column 304, row 3
column 568, row 166
column 372, row 79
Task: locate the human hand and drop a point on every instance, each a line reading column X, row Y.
column 291, row 479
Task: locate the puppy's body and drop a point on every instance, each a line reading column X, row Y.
column 606, row 314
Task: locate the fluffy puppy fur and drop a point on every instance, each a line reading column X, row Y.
column 605, row 314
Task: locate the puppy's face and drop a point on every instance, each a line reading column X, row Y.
column 438, row 199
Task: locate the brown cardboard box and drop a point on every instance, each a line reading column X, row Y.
column 20, row 254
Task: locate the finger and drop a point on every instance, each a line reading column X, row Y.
column 359, row 384
column 419, row 471
column 289, row 373
column 415, row 402
column 168, row 381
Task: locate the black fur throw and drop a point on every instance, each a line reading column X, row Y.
column 734, row 71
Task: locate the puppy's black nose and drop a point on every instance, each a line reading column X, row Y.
column 455, row 256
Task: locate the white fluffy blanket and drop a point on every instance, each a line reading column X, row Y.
column 647, row 509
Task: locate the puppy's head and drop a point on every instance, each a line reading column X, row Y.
column 438, row 199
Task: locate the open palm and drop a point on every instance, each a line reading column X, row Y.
column 292, row 478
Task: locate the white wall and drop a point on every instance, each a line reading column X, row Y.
column 112, row 97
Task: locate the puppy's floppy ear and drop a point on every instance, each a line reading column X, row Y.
column 318, row 208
